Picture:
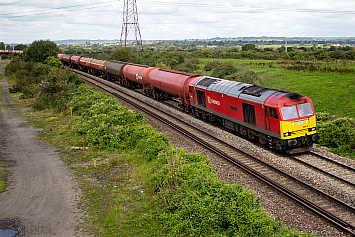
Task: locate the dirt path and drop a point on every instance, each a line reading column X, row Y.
column 40, row 199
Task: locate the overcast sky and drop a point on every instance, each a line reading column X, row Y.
column 23, row 21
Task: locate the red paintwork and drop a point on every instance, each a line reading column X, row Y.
column 17, row 52
column 172, row 82
column 281, row 100
column 60, row 56
column 137, row 74
column 75, row 59
column 98, row 64
column 85, row 61
column 221, row 103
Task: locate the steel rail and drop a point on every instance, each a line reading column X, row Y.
column 337, row 222
column 330, row 160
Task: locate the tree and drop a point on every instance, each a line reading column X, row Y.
column 123, row 54
column 247, row 47
column 21, row 47
column 40, row 50
column 2, row 45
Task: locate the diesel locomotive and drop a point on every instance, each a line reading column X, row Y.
column 282, row 120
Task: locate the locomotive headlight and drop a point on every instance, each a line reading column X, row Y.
column 287, row 134
column 312, row 129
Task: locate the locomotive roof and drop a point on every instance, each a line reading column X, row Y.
column 256, row 94
column 245, row 91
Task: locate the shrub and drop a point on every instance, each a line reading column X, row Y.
column 249, row 77
column 337, row 133
column 223, row 70
column 211, row 65
column 195, row 202
column 40, row 50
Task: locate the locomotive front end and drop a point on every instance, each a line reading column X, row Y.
column 298, row 126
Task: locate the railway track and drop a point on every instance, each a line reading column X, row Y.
column 338, row 213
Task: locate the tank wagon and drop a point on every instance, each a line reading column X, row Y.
column 283, row 120
column 14, row 52
column 170, row 83
column 74, row 61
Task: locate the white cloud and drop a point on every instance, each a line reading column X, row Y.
column 175, row 19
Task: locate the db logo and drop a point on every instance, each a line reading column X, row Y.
column 138, row 78
column 212, row 101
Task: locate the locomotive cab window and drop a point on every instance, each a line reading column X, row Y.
column 289, row 112
column 305, row 109
column 273, row 113
column 191, row 89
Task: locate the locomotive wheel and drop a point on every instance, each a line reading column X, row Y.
column 262, row 140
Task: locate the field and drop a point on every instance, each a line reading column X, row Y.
column 332, row 92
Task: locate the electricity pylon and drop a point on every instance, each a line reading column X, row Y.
column 130, row 23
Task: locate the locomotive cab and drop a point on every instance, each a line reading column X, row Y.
column 297, row 122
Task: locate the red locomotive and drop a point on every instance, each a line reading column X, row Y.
column 283, row 120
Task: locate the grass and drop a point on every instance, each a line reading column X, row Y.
column 116, row 199
column 120, row 187
column 3, row 172
column 332, row 92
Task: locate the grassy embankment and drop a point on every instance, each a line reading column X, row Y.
column 134, row 182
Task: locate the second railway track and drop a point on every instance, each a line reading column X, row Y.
column 339, row 213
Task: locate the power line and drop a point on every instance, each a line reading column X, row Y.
column 57, row 10
column 238, row 8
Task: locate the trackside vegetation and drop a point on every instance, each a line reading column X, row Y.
column 3, row 172
column 133, row 181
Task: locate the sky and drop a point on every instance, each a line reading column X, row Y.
column 23, row 21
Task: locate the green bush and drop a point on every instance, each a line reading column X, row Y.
column 195, row 202
column 47, row 82
column 249, row 77
column 223, row 70
column 105, row 123
column 338, row 134
column 211, row 65
column 40, row 50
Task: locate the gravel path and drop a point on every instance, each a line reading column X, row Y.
column 40, row 199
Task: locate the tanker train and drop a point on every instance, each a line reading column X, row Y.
column 14, row 52
column 283, row 120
